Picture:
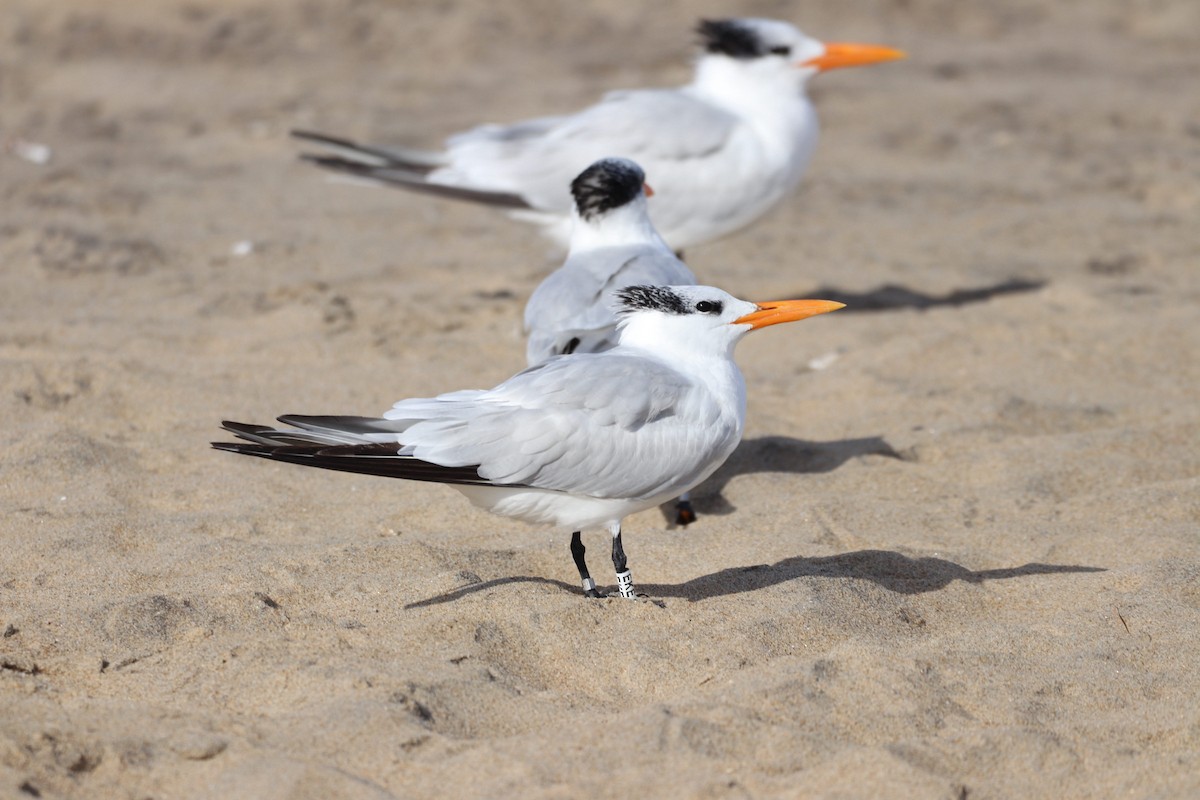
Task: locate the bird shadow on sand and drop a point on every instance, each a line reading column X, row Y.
column 893, row 571
column 777, row 454
column 891, row 297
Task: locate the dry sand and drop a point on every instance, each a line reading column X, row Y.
column 961, row 560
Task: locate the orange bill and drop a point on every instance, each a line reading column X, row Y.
column 845, row 54
column 777, row 311
column 648, row 191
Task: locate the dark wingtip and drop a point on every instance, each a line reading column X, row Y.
column 338, row 163
column 300, row 133
column 242, row 427
column 415, row 181
column 238, row 447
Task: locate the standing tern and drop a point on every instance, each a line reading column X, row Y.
column 613, row 245
column 721, row 151
column 578, row 441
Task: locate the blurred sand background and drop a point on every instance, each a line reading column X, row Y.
column 957, row 556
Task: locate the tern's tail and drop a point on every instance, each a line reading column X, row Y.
column 404, row 167
column 416, row 161
column 347, row 444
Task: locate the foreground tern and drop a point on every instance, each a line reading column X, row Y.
column 577, row 442
column 721, row 151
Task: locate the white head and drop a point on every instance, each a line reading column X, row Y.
column 775, row 53
column 610, row 205
column 700, row 319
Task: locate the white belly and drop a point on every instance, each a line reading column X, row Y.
column 562, row 510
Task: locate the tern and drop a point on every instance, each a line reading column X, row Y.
column 577, row 442
column 613, row 244
column 721, row 151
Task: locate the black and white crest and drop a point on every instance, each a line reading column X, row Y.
column 607, row 184
column 731, row 37
column 653, row 298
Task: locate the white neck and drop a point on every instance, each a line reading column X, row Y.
column 626, row 225
column 669, row 338
column 747, row 88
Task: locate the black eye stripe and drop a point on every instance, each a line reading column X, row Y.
column 730, row 37
column 664, row 299
column 654, row 298
column 739, row 38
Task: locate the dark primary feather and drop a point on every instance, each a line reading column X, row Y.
column 341, row 424
column 731, row 37
column 653, row 298
column 415, row 181
column 607, row 184
column 389, row 158
column 381, row 459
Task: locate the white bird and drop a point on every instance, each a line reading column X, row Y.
column 578, row 441
column 613, row 245
column 721, row 151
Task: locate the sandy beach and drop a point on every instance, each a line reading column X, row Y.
column 956, row 556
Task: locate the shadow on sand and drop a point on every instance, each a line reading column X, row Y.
column 777, row 454
column 890, row 297
column 893, row 571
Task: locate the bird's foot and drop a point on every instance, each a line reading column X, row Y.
column 590, row 590
column 684, row 514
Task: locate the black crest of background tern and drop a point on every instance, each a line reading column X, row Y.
column 731, row 37
column 652, row 298
column 607, row 184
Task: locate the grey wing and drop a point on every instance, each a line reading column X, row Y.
column 339, row 148
column 603, row 424
column 651, row 125
column 514, row 135
column 565, row 312
column 659, row 128
column 574, row 303
column 652, row 267
column 503, row 159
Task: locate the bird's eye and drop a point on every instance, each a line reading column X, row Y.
column 708, row 307
column 781, row 50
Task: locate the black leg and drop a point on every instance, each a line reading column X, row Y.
column 577, row 551
column 684, row 514
column 624, row 578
